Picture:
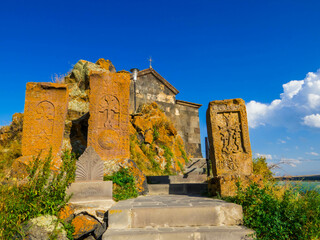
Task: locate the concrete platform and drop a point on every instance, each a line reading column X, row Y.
column 173, row 211
column 190, row 233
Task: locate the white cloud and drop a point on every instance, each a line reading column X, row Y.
column 312, row 120
column 300, row 100
column 313, row 153
column 267, row 156
column 291, row 89
column 290, row 161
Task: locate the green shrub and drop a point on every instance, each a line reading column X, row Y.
column 43, row 193
column 183, row 153
column 124, row 186
column 8, row 154
column 278, row 212
column 260, row 167
column 156, row 133
column 168, row 155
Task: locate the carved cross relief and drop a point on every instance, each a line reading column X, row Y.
column 230, row 135
column 45, row 113
column 45, row 116
column 109, row 108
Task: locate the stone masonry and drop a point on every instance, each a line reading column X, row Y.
column 108, row 131
column 152, row 87
column 230, row 149
column 44, row 118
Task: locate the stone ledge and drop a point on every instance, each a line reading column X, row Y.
column 90, row 191
column 173, row 211
column 192, row 233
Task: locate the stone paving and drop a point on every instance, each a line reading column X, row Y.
column 173, row 211
column 175, row 217
column 168, row 200
column 181, row 233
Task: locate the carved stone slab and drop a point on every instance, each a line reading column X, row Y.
column 89, row 166
column 90, row 191
column 108, row 131
column 44, row 118
column 228, row 134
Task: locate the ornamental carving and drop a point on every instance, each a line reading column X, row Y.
column 108, row 131
column 228, row 135
column 89, row 166
column 44, row 118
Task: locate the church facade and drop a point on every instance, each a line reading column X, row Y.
column 152, row 87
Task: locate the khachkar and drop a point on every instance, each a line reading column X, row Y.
column 45, row 113
column 230, row 150
column 89, row 184
column 108, row 131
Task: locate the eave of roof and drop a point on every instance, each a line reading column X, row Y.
column 159, row 77
column 189, row 104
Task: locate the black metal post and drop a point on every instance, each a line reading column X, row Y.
column 135, row 98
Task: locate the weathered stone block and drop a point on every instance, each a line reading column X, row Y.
column 230, row 150
column 90, row 191
column 44, row 118
column 108, row 131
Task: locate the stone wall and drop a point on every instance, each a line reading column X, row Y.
column 151, row 87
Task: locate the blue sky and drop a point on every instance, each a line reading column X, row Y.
column 209, row 50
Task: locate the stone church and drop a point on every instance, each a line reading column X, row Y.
column 152, row 87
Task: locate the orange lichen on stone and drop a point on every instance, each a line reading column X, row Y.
column 44, row 118
column 140, row 178
column 155, row 145
column 83, row 224
column 66, row 213
column 20, row 165
column 105, row 64
column 230, row 149
column 13, row 131
column 108, row 131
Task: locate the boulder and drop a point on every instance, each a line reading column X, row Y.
column 84, row 225
column 44, row 227
column 66, row 214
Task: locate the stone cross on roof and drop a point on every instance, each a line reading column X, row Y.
column 150, row 60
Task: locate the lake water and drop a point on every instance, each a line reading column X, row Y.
column 304, row 185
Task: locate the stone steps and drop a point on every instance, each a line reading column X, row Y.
column 191, row 233
column 175, row 217
column 196, row 166
column 177, row 179
column 178, row 189
column 192, row 183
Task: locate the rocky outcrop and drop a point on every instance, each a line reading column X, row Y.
column 13, row 132
column 154, row 143
column 87, row 223
column 44, row 227
column 10, row 143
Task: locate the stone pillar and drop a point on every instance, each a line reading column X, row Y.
column 230, row 150
column 45, row 112
column 108, row 131
column 44, row 118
